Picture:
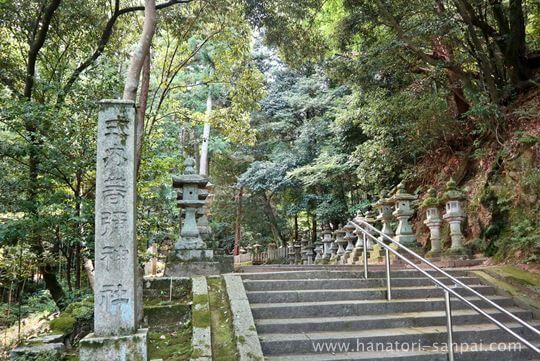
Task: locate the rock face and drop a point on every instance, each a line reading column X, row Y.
column 117, row 296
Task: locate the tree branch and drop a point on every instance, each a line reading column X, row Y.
column 140, row 52
column 104, row 39
column 37, row 44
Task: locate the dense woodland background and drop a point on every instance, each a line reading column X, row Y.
column 317, row 106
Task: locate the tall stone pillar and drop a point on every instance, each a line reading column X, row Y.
column 116, row 329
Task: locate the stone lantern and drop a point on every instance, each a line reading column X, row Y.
column 257, row 249
column 319, row 248
column 203, row 214
column 191, row 255
column 334, row 248
column 433, row 221
column 403, row 212
column 340, row 241
column 249, row 249
column 327, row 242
column 359, row 245
column 290, row 252
column 350, row 238
column 303, row 249
column 385, row 205
column 370, row 218
column 454, row 216
column 298, row 253
column 191, row 195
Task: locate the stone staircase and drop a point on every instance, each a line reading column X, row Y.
column 332, row 313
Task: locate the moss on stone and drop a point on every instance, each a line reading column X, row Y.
column 201, row 318
column 170, row 346
column 223, row 341
column 519, row 276
column 63, row 324
column 241, row 339
column 200, row 299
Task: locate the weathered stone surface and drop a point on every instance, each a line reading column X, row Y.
column 454, row 216
column 191, row 195
column 167, row 288
column 247, row 339
column 118, row 281
column 201, row 341
column 125, row 348
column 403, row 212
column 50, row 351
column 433, row 221
column 54, row 338
column 115, row 307
column 179, row 268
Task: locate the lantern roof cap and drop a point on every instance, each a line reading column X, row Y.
column 431, row 201
column 401, row 194
column 452, row 192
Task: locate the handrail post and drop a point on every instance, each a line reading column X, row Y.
column 388, row 279
column 365, row 256
column 448, row 310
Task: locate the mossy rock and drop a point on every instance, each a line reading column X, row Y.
column 63, row 324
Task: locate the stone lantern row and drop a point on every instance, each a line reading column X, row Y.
column 343, row 246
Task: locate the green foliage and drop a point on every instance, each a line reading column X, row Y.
column 521, row 240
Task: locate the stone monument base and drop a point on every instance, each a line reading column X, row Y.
column 181, row 268
column 115, row 348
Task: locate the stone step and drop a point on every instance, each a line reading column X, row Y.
column 477, row 354
column 376, row 321
column 301, row 343
column 345, row 283
column 362, row 307
column 289, row 296
column 320, row 274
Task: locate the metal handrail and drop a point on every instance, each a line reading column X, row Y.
column 363, row 226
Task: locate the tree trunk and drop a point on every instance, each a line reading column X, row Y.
column 313, row 229
column 203, row 170
column 296, row 228
column 238, row 226
column 78, row 225
column 443, row 51
column 78, row 266
column 141, row 113
column 89, row 268
column 140, row 52
column 516, row 49
column 43, row 22
column 273, row 221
